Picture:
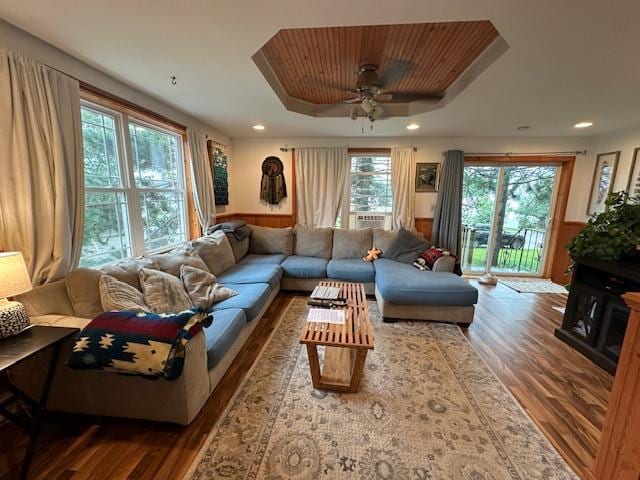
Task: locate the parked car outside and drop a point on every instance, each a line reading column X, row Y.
column 507, row 240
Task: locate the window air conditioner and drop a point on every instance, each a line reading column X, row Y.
column 370, row 221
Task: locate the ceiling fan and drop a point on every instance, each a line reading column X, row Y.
column 369, row 92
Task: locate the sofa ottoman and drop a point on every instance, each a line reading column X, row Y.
column 402, row 291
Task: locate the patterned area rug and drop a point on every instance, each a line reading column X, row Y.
column 428, row 408
column 533, row 285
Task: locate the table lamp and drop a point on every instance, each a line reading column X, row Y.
column 14, row 280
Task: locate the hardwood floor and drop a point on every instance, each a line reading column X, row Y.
column 563, row 392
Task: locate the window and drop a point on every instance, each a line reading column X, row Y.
column 134, row 180
column 369, row 192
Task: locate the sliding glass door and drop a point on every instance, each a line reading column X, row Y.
column 506, row 211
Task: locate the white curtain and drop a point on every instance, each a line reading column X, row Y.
column 321, row 176
column 202, row 179
column 42, row 166
column 403, row 188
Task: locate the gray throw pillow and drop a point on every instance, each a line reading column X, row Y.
column 216, row 252
column 406, row 247
column 117, row 295
column 267, row 240
column 163, row 292
column 203, row 287
column 313, row 242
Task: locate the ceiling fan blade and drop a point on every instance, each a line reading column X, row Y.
column 415, row 96
column 383, row 97
column 395, row 70
column 353, row 100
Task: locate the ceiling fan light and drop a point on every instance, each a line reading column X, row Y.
column 413, row 126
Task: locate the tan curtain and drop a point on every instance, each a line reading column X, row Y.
column 321, row 177
column 402, row 188
column 202, row 179
column 42, row 171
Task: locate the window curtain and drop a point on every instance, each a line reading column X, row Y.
column 447, row 216
column 402, row 188
column 321, row 177
column 202, row 179
column 42, row 176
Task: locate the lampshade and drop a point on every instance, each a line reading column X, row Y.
column 14, row 277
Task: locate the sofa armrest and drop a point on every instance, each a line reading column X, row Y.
column 96, row 392
column 48, row 299
column 444, row 264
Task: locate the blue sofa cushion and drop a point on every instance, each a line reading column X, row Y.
column 251, row 298
column 352, row 269
column 269, row 259
column 222, row 333
column 404, row 284
column 297, row 266
column 257, row 273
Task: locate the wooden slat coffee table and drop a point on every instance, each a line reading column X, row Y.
column 346, row 345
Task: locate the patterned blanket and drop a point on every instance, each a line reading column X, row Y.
column 146, row 344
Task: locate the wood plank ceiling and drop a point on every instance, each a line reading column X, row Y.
column 320, row 65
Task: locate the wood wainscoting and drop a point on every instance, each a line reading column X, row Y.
column 424, row 225
column 275, row 220
column 560, row 260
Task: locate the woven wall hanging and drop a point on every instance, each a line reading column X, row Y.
column 218, row 161
column 272, row 188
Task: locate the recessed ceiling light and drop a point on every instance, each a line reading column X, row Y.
column 258, row 127
column 413, row 126
column 523, row 127
column 583, row 125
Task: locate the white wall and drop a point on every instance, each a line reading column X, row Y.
column 624, row 140
column 248, row 154
column 13, row 38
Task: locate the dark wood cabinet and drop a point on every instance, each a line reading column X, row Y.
column 596, row 317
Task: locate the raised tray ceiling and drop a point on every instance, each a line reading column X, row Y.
column 313, row 68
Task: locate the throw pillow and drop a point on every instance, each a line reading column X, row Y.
column 163, row 293
column 171, row 261
column 145, row 344
column 406, row 247
column 431, row 255
column 203, row 287
column 117, row 295
column 127, row 270
column 216, row 251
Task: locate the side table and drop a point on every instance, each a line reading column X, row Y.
column 14, row 350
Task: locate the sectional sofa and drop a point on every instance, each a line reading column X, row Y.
column 256, row 267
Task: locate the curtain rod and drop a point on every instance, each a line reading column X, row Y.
column 286, row 149
column 512, row 154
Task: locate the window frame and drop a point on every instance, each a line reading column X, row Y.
column 123, row 117
column 345, row 213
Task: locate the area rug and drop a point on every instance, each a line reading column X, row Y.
column 533, row 285
column 429, row 408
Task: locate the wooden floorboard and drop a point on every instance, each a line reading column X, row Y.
column 564, row 393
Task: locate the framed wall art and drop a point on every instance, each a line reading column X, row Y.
column 602, row 183
column 633, row 185
column 427, row 177
column 219, row 169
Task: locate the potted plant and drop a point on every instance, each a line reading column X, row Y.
column 611, row 235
